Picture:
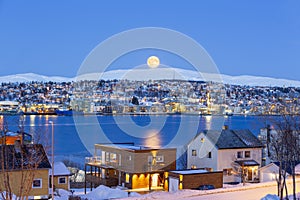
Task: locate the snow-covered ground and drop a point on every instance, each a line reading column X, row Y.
column 263, row 191
column 101, row 192
column 228, row 192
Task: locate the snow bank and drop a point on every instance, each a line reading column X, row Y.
column 63, row 194
column 4, row 194
column 103, row 192
column 270, row 197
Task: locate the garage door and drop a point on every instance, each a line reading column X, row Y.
column 173, row 184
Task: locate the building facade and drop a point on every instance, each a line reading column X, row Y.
column 24, row 170
column 238, row 153
column 130, row 166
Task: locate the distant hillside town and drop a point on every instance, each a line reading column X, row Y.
column 146, row 97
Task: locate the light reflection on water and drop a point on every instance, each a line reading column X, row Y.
column 68, row 143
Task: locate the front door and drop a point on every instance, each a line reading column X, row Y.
column 250, row 171
column 154, row 179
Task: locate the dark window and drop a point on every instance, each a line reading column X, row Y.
column 62, row 180
column 209, row 154
column 37, row 183
column 247, row 154
column 239, row 154
column 194, row 152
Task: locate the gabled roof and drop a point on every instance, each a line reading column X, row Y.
column 288, row 166
column 60, row 169
column 232, row 139
column 28, row 156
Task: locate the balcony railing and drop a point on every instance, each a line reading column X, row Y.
column 93, row 160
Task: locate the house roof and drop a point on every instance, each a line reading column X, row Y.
column 233, row 139
column 60, row 169
column 132, row 147
column 191, row 171
column 247, row 162
column 289, row 169
column 28, row 156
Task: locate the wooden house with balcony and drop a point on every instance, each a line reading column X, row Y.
column 128, row 165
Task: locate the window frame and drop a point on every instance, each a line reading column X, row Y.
column 160, row 159
column 247, row 154
column 37, row 187
column 209, row 155
column 127, row 178
column 62, row 177
column 113, row 157
column 194, row 152
column 107, row 156
column 240, row 154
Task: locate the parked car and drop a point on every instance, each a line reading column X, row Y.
column 205, row 187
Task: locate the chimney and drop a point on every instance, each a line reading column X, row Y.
column 225, row 127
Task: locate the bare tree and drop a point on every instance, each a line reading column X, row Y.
column 182, row 160
column 285, row 145
column 238, row 170
column 18, row 165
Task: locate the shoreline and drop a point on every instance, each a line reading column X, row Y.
column 141, row 114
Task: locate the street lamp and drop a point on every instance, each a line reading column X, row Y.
column 52, row 167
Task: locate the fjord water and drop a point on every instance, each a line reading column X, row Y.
column 74, row 136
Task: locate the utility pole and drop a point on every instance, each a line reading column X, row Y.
column 52, row 149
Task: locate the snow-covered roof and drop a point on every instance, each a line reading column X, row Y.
column 231, row 139
column 124, row 146
column 60, row 169
column 192, row 171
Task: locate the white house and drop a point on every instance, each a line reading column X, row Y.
column 230, row 151
column 268, row 172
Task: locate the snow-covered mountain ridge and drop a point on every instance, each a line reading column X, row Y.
column 157, row 74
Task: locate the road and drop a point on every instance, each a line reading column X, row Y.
column 249, row 194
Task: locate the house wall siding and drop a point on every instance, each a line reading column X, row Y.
column 192, row 181
column 203, row 146
column 227, row 156
column 61, row 186
column 137, row 161
column 16, row 181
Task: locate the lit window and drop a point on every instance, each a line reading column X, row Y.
column 247, row 154
column 239, row 154
column 194, row 152
column 159, row 158
column 107, row 156
column 113, row 157
column 127, row 177
column 62, row 180
column 202, row 140
column 227, row 172
column 193, row 167
column 37, row 183
column 209, row 155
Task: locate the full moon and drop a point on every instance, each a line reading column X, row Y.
column 153, row 62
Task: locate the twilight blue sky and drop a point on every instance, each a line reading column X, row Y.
column 243, row 37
